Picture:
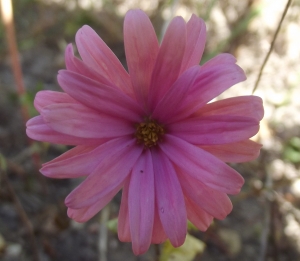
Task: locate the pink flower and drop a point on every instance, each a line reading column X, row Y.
column 149, row 131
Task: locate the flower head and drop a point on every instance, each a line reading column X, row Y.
column 149, row 131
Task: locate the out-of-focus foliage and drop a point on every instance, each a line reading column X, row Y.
column 292, row 150
column 187, row 252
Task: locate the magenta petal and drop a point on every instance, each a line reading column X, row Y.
column 250, row 106
column 197, row 215
column 169, row 59
column 214, row 202
column 84, row 214
column 45, row 98
column 141, row 203
column 215, row 129
column 202, row 165
column 75, row 65
column 99, row 97
column 196, row 37
column 123, row 219
column 141, row 47
column 241, row 151
column 169, row 199
column 109, row 174
column 166, row 109
column 84, row 162
column 81, row 121
column 96, row 54
column 210, row 83
column 37, row 129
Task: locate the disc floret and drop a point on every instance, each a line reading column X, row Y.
column 149, row 132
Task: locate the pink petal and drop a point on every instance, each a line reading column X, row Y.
column 45, row 98
column 141, row 203
column 81, row 121
column 250, row 106
column 196, row 37
column 75, row 65
column 158, row 233
column 241, row 151
column 169, row 59
column 84, row 214
column 96, row 54
column 37, row 129
column 166, row 108
column 215, row 129
column 197, row 215
column 169, row 199
column 222, row 58
column 116, row 165
column 83, row 163
column 123, row 219
column 99, row 97
column 214, row 202
column 201, row 165
column 210, row 83
column 141, row 48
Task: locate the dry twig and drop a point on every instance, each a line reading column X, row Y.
column 272, row 45
column 7, row 18
column 22, row 214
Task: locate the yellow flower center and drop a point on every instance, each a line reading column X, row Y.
column 149, row 133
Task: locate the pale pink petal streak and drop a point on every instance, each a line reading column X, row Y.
column 222, row 58
column 196, row 38
column 214, row 202
column 241, row 151
column 214, row 129
column 84, row 214
column 96, row 54
column 85, row 123
column 197, row 215
column 99, row 97
column 168, row 62
column 45, row 98
column 169, row 199
column 37, row 129
column 202, row 165
column 141, row 203
column 158, row 233
column 76, row 65
column 250, row 106
column 78, row 150
column 210, row 83
column 83, row 163
column 109, row 174
column 166, row 109
column 123, row 219
column 141, row 48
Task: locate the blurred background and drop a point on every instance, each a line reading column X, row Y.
column 265, row 221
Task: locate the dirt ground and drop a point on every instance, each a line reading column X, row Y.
column 265, row 221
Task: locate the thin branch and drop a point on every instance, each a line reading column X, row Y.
column 272, row 45
column 8, row 21
column 22, row 214
column 7, row 18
